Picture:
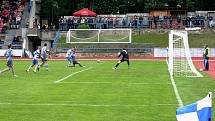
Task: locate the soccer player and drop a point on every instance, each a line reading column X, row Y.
column 73, row 58
column 35, row 61
column 9, row 55
column 44, row 57
column 124, row 57
column 206, row 57
column 69, row 56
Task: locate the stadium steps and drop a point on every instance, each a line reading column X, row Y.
column 25, row 16
column 8, row 40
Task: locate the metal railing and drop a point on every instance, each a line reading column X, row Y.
column 152, row 24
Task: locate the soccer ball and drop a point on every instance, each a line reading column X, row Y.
column 200, row 69
column 98, row 61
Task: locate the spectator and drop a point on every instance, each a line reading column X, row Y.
column 188, row 21
column 197, row 21
column 179, row 21
column 170, row 21
column 192, row 22
column 99, row 22
column 61, row 23
column 135, row 22
column 161, row 18
column 82, row 21
column 166, row 20
column 210, row 20
column 18, row 21
column 75, row 23
column 155, row 21
column 107, row 21
column 70, row 23
column 202, row 19
column 64, row 23
column 150, row 19
column 184, row 22
column 141, row 21
column 124, row 23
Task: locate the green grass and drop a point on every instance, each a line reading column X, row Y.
column 152, row 40
column 116, row 95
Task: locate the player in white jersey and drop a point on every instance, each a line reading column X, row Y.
column 74, row 60
column 44, row 57
column 69, row 56
column 9, row 55
column 35, row 61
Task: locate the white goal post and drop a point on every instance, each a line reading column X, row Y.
column 180, row 63
column 99, row 36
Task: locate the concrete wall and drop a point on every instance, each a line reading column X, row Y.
column 48, row 44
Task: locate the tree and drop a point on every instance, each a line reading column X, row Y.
column 67, row 7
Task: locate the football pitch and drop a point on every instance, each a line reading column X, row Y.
column 96, row 93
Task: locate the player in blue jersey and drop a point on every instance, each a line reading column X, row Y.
column 69, row 56
column 9, row 55
column 124, row 57
column 73, row 58
column 35, row 61
column 44, row 57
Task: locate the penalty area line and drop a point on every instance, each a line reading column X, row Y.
column 72, row 74
column 86, row 105
column 133, row 83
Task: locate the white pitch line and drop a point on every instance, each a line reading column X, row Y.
column 149, row 83
column 86, row 105
column 135, row 83
column 71, row 75
column 86, row 82
column 178, row 97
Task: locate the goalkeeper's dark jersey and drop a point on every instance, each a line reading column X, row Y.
column 124, row 54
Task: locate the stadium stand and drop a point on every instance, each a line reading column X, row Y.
column 11, row 13
column 152, row 22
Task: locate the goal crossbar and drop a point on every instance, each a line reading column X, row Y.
column 118, row 36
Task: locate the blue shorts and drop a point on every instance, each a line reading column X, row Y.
column 35, row 62
column 10, row 63
column 69, row 59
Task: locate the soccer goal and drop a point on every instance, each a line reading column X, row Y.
column 99, row 36
column 180, row 63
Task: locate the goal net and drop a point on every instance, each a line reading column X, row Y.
column 99, row 36
column 180, row 62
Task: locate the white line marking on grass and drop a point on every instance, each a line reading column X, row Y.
column 178, row 97
column 86, row 105
column 86, row 82
column 72, row 74
column 135, row 83
column 149, row 83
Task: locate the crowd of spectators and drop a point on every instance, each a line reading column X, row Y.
column 164, row 22
column 10, row 14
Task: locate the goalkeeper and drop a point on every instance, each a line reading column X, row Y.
column 206, row 58
column 124, row 57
